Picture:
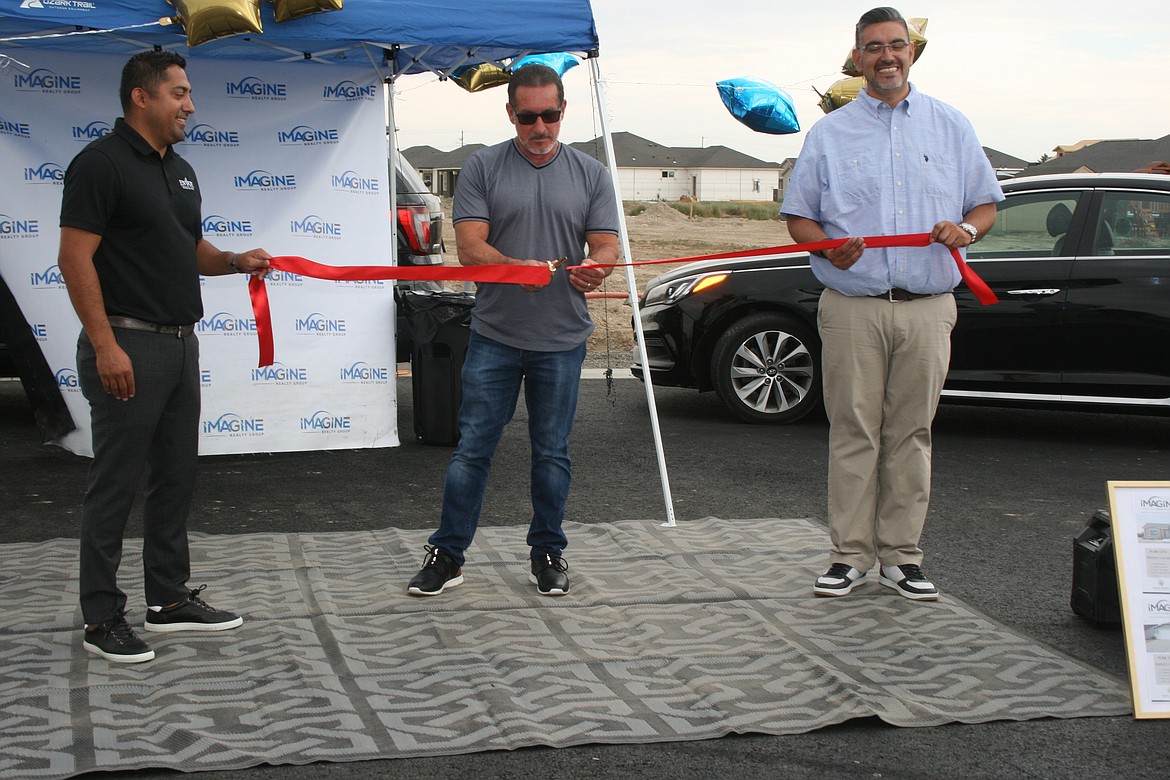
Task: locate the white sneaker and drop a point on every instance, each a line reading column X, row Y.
column 839, row 580
column 909, row 580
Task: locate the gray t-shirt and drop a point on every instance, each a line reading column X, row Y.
column 537, row 213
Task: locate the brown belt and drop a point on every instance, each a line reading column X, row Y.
column 129, row 323
column 898, row 294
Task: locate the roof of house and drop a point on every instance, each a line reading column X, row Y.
column 1119, row 156
column 1001, row 161
column 631, row 151
column 430, row 157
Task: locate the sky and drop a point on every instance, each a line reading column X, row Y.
column 1029, row 74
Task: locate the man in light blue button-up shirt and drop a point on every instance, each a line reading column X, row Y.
column 892, row 162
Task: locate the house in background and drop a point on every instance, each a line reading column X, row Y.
column 651, row 171
column 439, row 170
column 646, row 170
column 1117, row 156
column 1005, row 165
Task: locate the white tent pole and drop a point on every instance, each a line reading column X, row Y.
column 632, row 286
column 392, row 156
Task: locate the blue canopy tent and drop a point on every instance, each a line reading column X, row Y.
column 399, row 36
column 394, row 37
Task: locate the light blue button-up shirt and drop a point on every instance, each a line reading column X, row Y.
column 870, row 170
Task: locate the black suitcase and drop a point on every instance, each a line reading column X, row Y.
column 435, row 369
column 438, row 324
column 1094, row 591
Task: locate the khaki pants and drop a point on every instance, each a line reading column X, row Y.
column 884, row 364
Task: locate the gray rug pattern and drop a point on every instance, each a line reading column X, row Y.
column 687, row 633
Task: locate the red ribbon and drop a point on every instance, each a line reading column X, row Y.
column 540, row 274
column 512, row 274
column 979, row 287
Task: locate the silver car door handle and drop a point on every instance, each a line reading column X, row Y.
column 1050, row 291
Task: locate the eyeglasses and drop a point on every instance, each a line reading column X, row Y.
column 894, row 46
column 529, row 118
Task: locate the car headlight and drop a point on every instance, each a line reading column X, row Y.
column 677, row 289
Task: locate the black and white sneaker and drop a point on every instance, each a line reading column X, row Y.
column 550, row 575
column 117, row 642
column 909, row 580
column 191, row 614
column 439, row 571
column 839, row 580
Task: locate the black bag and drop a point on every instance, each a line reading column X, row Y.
column 1094, row 591
column 439, row 326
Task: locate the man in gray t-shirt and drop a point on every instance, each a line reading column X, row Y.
column 526, row 201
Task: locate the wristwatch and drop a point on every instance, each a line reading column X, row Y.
column 974, row 231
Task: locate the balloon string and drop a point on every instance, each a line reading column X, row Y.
column 161, row 22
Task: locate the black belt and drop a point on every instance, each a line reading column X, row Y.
column 129, row 323
column 898, row 294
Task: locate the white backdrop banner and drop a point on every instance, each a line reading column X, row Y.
column 290, row 157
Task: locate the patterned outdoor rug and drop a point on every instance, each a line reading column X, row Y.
column 669, row 634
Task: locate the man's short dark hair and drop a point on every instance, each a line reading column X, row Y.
column 877, row 16
column 147, row 70
column 535, row 75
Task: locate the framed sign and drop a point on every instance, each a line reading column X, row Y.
column 1140, row 516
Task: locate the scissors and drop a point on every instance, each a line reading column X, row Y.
column 553, row 265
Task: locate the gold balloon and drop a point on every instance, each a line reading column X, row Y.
column 474, row 78
column 841, row 93
column 291, row 9
column 917, row 37
column 206, row 20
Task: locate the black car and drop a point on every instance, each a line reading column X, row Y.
column 420, row 221
column 420, row 242
column 1081, row 266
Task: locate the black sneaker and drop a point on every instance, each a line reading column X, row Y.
column 117, row 642
column 839, row 580
column 439, row 571
column 549, row 575
column 909, row 580
column 192, row 614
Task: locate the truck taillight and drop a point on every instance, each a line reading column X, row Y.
column 416, row 223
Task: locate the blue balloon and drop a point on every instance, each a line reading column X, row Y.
column 560, row 62
column 759, row 104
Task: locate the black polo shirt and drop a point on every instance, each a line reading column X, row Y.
column 147, row 210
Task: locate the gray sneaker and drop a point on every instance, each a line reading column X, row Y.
column 191, row 614
column 116, row 641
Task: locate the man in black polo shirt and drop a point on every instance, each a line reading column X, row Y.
column 131, row 253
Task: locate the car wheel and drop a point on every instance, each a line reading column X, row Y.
column 767, row 368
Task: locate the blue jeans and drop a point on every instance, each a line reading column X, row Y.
column 492, row 374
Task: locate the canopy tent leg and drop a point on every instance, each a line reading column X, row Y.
column 392, row 156
column 632, row 286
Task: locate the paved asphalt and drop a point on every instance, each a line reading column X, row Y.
column 1012, row 489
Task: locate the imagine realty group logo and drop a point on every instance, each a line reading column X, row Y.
column 224, row 323
column 322, row 421
column 256, row 88
column 233, row 425
column 18, row 227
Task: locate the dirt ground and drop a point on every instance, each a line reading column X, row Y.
column 658, row 233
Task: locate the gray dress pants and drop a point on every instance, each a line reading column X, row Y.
column 157, row 433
